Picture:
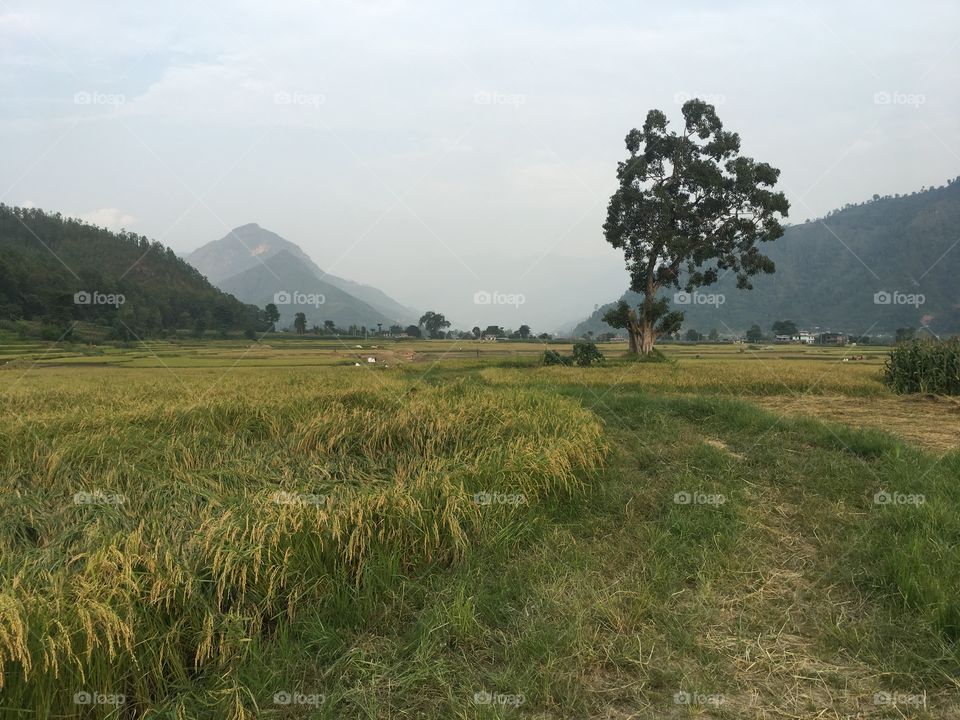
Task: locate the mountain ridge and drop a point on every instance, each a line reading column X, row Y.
column 246, row 246
column 53, row 269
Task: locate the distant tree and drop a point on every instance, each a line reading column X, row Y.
column 271, row 315
column 435, row 323
column 906, row 333
column 200, row 327
column 413, row 331
column 784, row 327
column 379, row 328
column 689, row 208
column 693, row 336
column 300, row 323
column 250, row 334
column 396, row 329
column 494, row 331
column 714, row 335
column 544, row 336
column 476, row 331
column 329, row 327
column 754, row 334
column 524, row 331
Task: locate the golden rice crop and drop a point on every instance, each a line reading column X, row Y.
column 151, row 530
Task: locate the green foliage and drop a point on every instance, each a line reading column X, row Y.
column 46, row 259
column 552, row 357
column 689, row 209
column 924, row 366
column 754, row 334
column 905, row 333
column 435, row 323
column 819, row 282
column 784, row 327
column 586, row 353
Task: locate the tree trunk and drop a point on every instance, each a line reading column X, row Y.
column 641, row 332
column 647, row 337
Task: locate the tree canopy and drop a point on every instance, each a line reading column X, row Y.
column 689, row 209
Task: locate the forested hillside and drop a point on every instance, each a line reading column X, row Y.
column 57, row 273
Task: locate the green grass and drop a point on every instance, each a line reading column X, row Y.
column 602, row 596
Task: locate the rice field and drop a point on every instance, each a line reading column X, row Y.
column 231, row 531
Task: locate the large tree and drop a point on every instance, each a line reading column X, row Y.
column 300, row 323
column 435, row 323
column 784, row 327
column 688, row 210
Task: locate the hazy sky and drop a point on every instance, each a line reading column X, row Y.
column 440, row 149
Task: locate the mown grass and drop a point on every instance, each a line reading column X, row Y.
column 797, row 596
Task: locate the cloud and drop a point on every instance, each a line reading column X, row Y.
column 110, row 218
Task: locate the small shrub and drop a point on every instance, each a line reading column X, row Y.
column 552, row 357
column 586, row 353
column 923, row 366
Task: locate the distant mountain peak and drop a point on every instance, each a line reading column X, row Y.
column 248, row 247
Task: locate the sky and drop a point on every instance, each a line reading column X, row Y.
column 446, row 152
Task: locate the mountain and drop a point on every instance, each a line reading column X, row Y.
column 247, row 246
column 866, row 269
column 56, row 270
column 287, row 281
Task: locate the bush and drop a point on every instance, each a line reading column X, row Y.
column 922, row 366
column 552, row 357
column 586, row 353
